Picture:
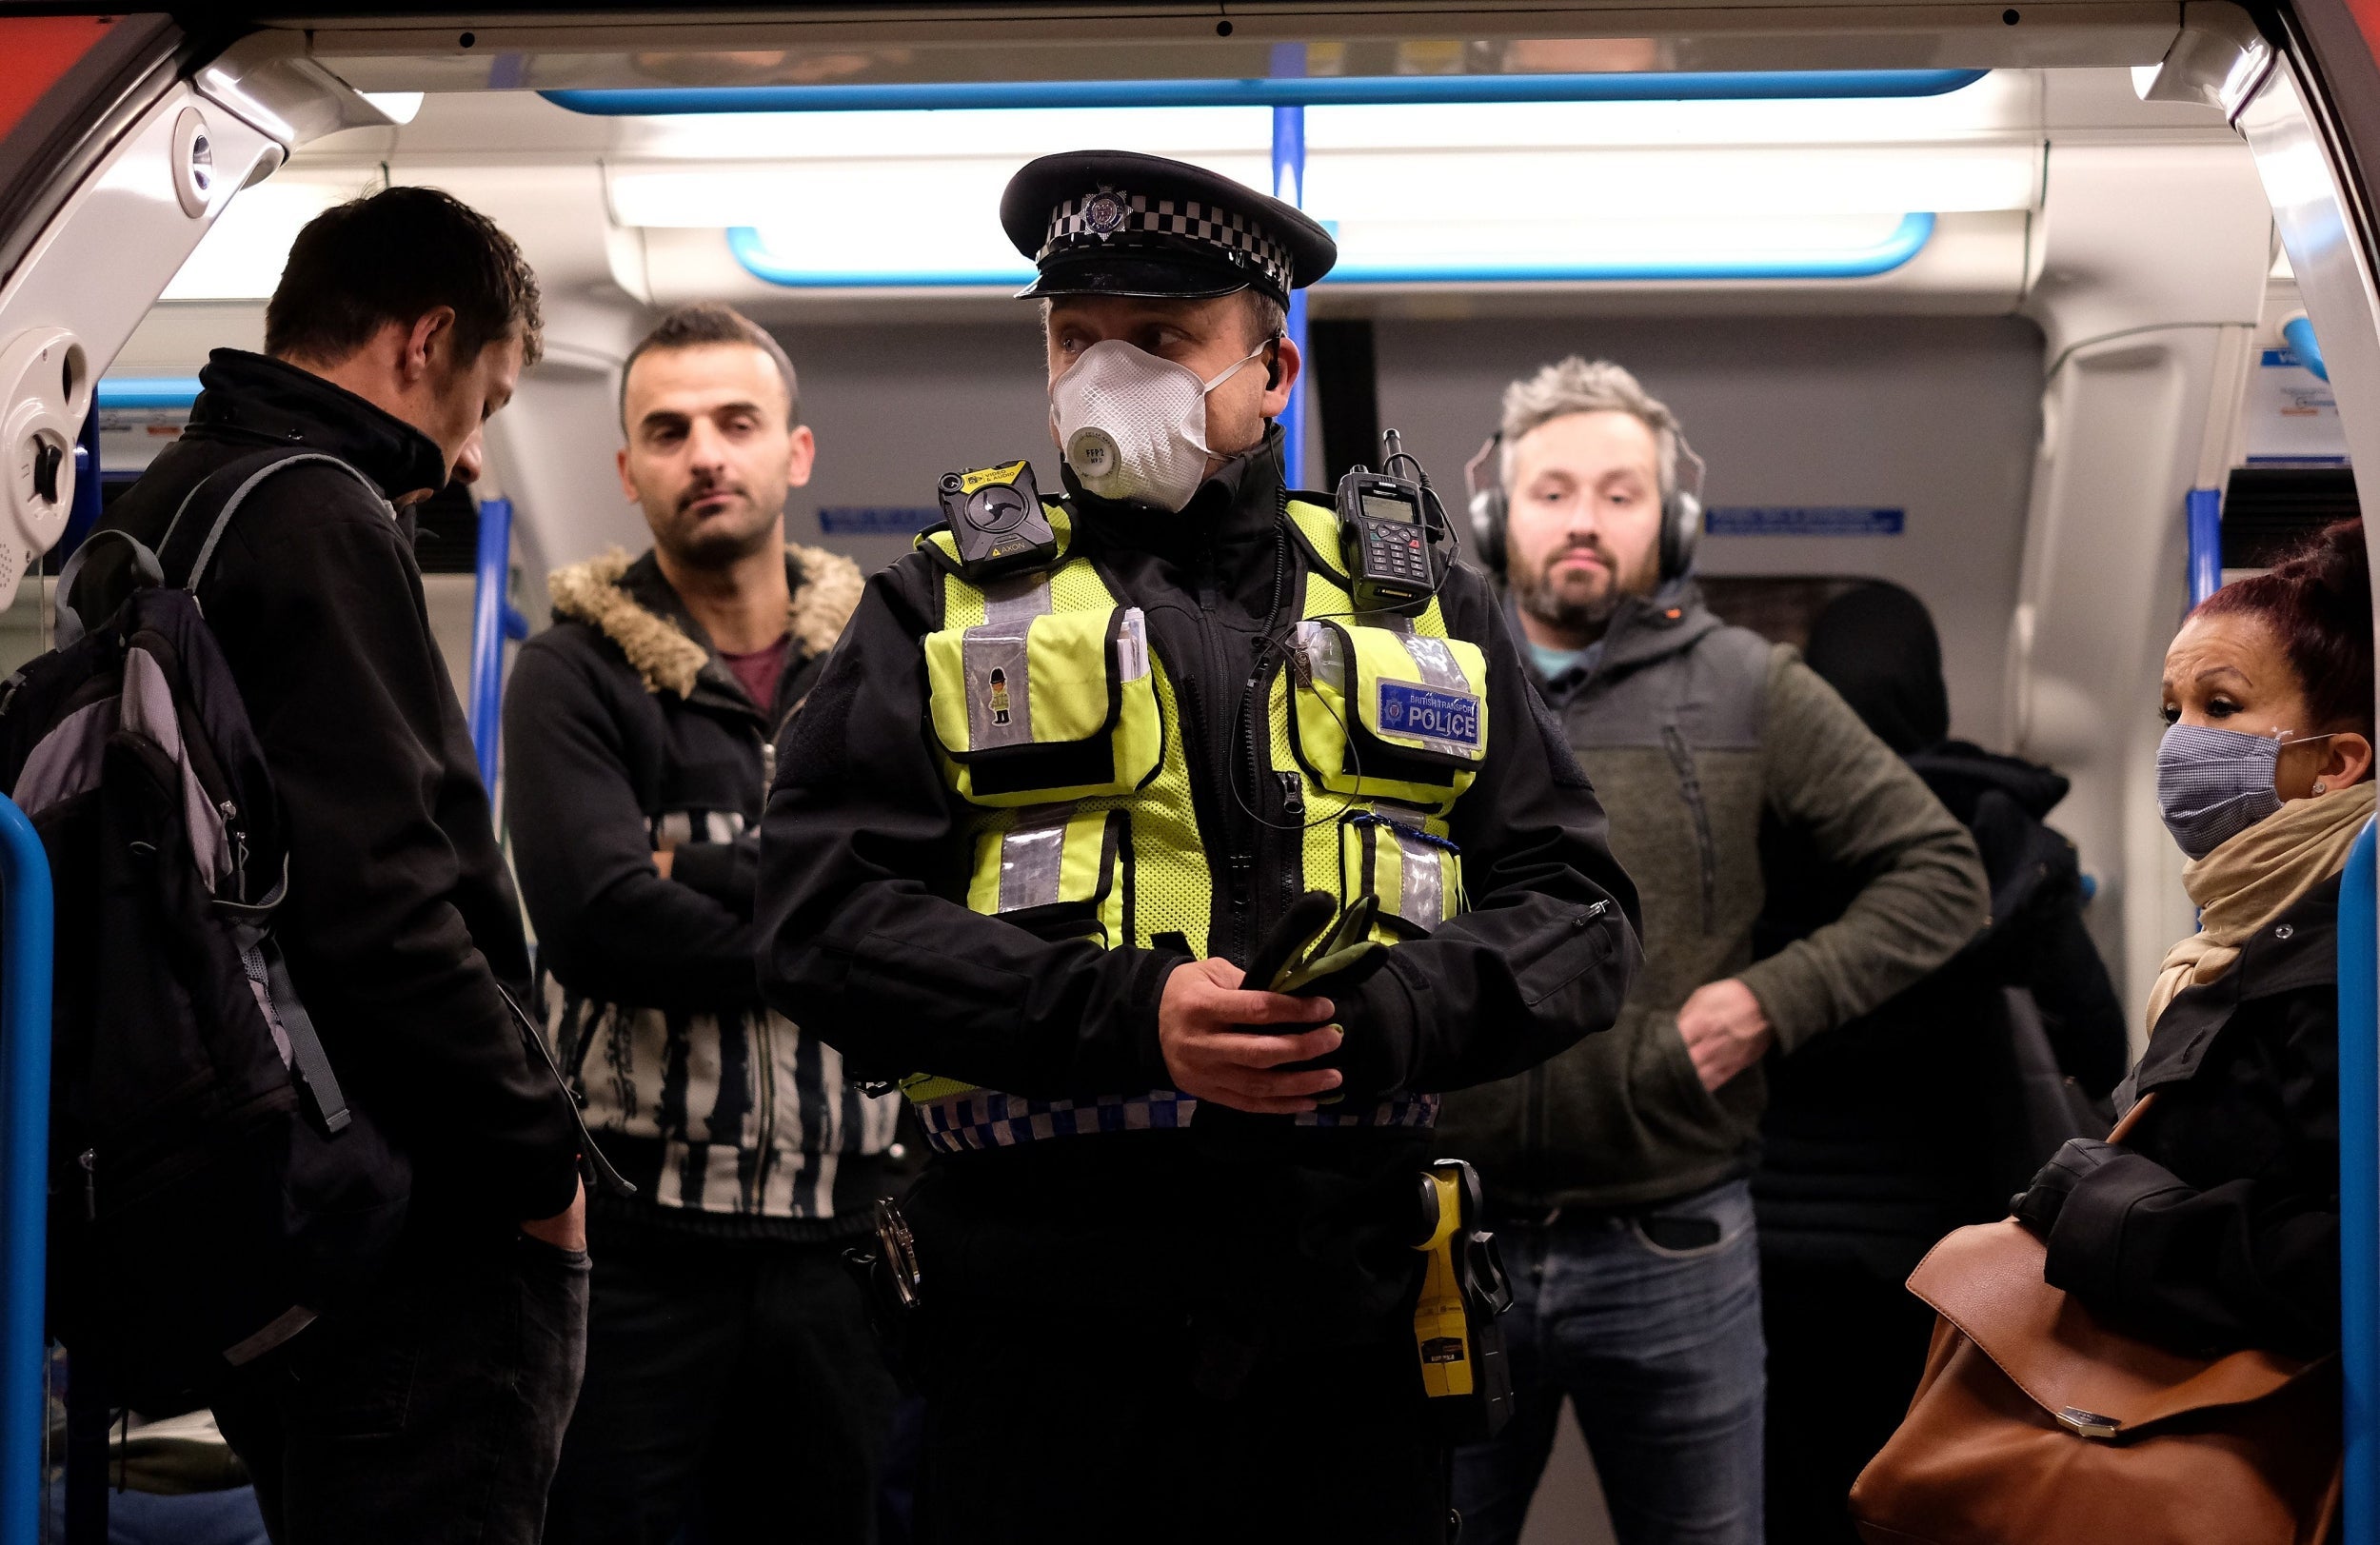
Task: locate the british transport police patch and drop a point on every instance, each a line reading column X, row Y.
column 1451, row 717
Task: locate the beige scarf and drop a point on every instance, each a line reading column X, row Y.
column 2253, row 878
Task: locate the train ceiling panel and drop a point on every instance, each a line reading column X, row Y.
column 856, row 46
column 1927, row 196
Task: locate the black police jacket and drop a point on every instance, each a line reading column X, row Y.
column 401, row 921
column 2215, row 1224
column 868, row 938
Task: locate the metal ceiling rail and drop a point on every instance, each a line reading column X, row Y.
column 1272, row 92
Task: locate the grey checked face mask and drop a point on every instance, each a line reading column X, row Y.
column 2214, row 783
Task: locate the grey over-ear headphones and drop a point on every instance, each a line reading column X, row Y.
column 1682, row 508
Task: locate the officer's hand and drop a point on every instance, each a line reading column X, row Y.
column 1724, row 1029
column 1211, row 1057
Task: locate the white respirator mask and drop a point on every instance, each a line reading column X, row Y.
column 1132, row 427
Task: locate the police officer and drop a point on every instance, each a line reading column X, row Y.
column 1075, row 766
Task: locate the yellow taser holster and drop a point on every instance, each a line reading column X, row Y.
column 1463, row 1288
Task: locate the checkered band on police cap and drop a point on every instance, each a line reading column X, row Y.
column 1108, row 214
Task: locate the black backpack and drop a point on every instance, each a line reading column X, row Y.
column 211, row 1189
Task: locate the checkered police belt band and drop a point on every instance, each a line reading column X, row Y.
column 987, row 1118
column 1109, row 214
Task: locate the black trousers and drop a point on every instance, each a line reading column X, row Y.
column 1055, row 1427
column 736, row 1388
column 430, row 1413
column 1847, row 1343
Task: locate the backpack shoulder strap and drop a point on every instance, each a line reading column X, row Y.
column 107, row 568
column 241, row 478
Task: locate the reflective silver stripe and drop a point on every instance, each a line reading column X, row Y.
column 1032, row 854
column 1436, row 663
column 1000, row 712
column 1420, row 881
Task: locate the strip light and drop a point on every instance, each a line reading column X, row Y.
column 241, row 256
column 1822, row 247
column 889, row 208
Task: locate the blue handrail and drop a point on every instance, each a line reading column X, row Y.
column 1289, row 185
column 2203, row 509
column 147, row 391
column 2298, row 332
column 2359, row 1184
column 26, row 921
column 493, row 621
column 1274, row 91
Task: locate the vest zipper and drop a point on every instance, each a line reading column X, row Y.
column 1690, row 788
column 1240, row 863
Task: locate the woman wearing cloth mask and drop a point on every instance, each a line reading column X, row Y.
column 2215, row 1224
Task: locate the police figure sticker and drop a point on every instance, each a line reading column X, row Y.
column 1452, row 719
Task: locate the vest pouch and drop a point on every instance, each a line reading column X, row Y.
column 1381, row 714
column 1415, row 875
column 1059, row 706
column 1060, row 874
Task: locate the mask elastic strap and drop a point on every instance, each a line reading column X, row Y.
column 1241, row 364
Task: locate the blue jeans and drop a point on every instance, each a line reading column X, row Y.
column 1659, row 1349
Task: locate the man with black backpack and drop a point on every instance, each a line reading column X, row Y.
column 431, row 1406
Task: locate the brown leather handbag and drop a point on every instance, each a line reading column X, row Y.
column 2035, row 1424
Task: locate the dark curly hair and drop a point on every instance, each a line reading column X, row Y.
column 394, row 257
column 2318, row 602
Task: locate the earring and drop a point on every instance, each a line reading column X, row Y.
column 2321, row 788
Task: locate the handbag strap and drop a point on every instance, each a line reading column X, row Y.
column 2131, row 1117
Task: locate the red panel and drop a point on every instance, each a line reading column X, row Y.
column 35, row 50
column 2366, row 14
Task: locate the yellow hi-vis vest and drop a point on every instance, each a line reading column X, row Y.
column 1056, row 724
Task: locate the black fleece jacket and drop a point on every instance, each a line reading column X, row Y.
column 599, row 757
column 401, row 921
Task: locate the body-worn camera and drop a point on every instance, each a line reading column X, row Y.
column 1388, row 532
column 995, row 515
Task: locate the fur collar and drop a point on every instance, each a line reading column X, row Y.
column 660, row 651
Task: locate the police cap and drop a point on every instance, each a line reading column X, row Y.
column 1114, row 223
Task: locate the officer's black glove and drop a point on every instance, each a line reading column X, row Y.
column 2037, row 1207
column 1318, row 951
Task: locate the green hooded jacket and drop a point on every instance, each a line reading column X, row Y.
column 1693, row 731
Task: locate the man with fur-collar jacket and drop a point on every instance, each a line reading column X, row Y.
column 731, row 1372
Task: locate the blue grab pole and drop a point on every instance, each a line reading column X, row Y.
column 26, row 922
column 1289, row 186
column 2298, row 332
column 2204, row 508
column 493, row 620
column 2359, row 1185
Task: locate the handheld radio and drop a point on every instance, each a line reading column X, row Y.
column 996, row 517
column 1389, row 528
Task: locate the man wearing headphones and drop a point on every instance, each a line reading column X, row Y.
column 1617, row 1172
